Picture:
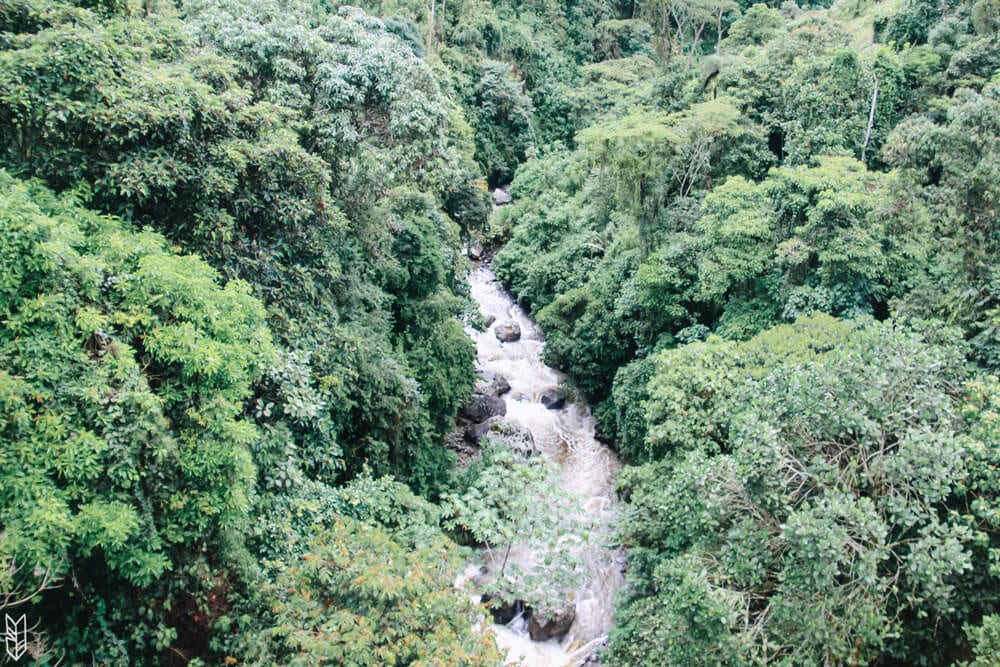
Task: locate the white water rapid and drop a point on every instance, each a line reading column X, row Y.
column 587, row 470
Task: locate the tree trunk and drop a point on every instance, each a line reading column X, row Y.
column 718, row 33
column 430, row 31
column 444, row 19
column 871, row 119
column 506, row 555
column 696, row 39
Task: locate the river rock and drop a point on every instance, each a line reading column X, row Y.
column 456, row 441
column 481, row 408
column 492, row 384
column 489, row 320
column 504, row 610
column 500, row 385
column 474, row 432
column 552, row 399
column 601, row 436
column 484, row 386
column 509, row 433
column 507, row 332
column 475, row 251
column 514, row 435
column 501, row 196
column 550, row 624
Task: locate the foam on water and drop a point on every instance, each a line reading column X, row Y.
column 587, row 469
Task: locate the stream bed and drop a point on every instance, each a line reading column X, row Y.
column 587, row 470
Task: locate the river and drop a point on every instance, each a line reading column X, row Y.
column 587, row 469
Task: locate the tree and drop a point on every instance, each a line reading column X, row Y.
column 650, row 157
column 124, row 372
column 816, row 524
column 679, row 24
column 507, row 502
column 502, row 121
column 824, row 105
column 805, row 238
column 757, row 25
column 243, row 137
column 359, row 597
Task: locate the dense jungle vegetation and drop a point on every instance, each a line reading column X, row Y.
column 762, row 239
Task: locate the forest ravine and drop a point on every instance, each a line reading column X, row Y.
column 240, row 416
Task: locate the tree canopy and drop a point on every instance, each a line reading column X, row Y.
column 761, row 240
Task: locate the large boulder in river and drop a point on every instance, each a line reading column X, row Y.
column 501, row 196
column 503, row 609
column 481, row 408
column 514, row 435
column 506, row 432
column 492, row 384
column 551, row 624
column 474, row 432
column 507, row 332
column 500, row 385
column 552, row 399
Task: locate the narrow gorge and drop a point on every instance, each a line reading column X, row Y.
column 565, row 433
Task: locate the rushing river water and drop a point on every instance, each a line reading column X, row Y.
column 586, row 466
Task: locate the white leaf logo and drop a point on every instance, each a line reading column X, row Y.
column 16, row 636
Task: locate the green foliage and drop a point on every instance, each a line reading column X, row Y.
column 621, row 38
column 690, row 186
column 951, row 168
column 911, row 21
column 377, row 118
column 395, row 368
column 397, row 534
column 650, row 157
column 826, row 473
column 823, row 105
column 757, row 26
column 502, row 121
column 124, row 372
column 469, row 205
column 237, row 156
column 306, row 154
column 986, row 642
column 405, row 29
column 694, row 389
column 589, row 218
column 679, row 25
column 809, row 225
column 156, row 129
column 361, row 597
column 507, row 501
column 513, row 67
column 614, row 87
column 676, row 217
column 623, row 414
column 804, row 239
